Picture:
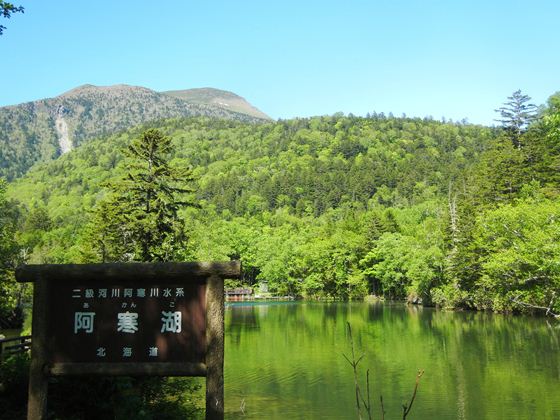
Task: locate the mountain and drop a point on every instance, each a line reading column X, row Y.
column 44, row 129
column 216, row 97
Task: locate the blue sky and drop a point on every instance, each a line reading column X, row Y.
column 457, row 59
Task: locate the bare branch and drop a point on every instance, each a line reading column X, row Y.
column 407, row 408
column 548, row 310
column 354, row 365
column 367, row 404
column 365, row 401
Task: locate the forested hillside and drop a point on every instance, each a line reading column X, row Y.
column 450, row 214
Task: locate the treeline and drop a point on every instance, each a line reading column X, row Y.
column 451, row 214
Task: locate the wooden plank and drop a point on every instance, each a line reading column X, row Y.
column 20, row 338
column 120, row 271
column 17, row 347
column 38, row 381
column 215, row 348
column 126, row 369
column 22, row 343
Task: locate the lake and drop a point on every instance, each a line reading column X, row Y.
column 285, row 360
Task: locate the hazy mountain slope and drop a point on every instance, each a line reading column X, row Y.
column 222, row 98
column 44, row 129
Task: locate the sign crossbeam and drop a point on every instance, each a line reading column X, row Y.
column 129, row 369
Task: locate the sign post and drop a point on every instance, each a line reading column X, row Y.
column 128, row 319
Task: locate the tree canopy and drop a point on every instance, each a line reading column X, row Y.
column 6, row 11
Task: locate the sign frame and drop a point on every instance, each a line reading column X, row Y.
column 49, row 275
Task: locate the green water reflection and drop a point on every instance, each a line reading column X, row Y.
column 284, row 361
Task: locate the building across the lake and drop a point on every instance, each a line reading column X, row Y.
column 239, row 293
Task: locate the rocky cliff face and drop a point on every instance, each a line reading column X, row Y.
column 64, row 142
column 44, row 129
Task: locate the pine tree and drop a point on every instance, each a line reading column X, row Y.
column 144, row 223
column 375, row 227
column 390, row 223
column 516, row 115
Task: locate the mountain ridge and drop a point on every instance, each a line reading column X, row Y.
column 43, row 129
column 213, row 96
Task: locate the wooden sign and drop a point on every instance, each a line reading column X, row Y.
column 137, row 319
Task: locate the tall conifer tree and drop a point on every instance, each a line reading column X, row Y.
column 516, row 115
column 145, row 224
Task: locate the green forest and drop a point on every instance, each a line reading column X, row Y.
column 440, row 213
